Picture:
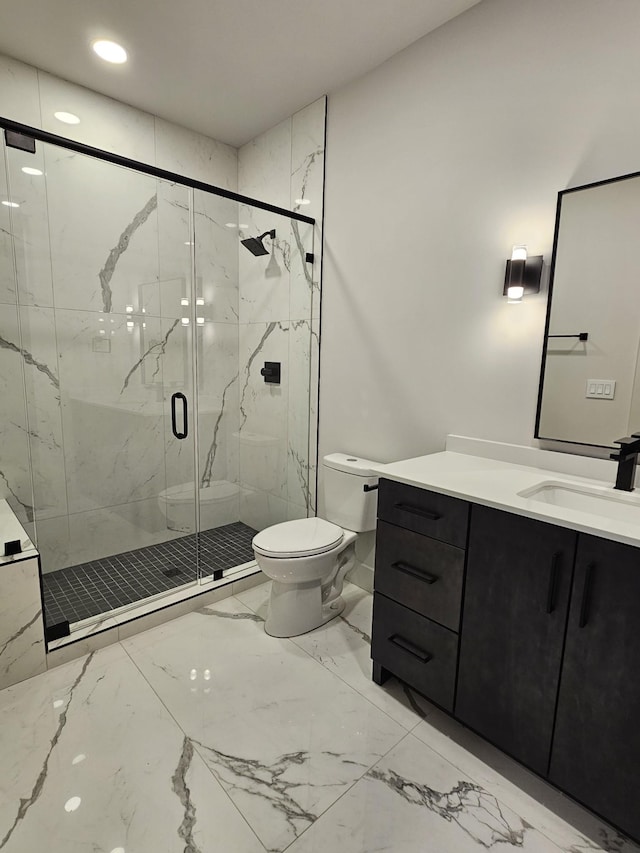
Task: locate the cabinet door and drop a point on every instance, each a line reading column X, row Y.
column 514, row 618
column 596, row 746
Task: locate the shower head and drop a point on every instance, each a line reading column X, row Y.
column 255, row 244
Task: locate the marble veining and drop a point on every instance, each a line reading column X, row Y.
column 207, row 471
column 157, row 350
column 17, row 634
column 362, row 634
column 306, row 267
column 474, row 810
column 27, row 802
column 30, row 360
column 221, row 614
column 28, row 508
column 182, row 791
column 306, row 167
column 106, row 273
column 268, row 782
column 301, row 468
column 271, row 327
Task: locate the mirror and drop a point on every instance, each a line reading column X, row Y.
column 589, row 388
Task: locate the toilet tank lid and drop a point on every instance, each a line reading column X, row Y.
column 350, row 464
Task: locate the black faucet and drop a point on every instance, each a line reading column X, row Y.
column 627, row 459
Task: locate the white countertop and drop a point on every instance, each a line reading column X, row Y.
column 496, row 483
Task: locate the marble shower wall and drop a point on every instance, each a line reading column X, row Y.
column 279, row 313
column 91, row 319
column 95, row 339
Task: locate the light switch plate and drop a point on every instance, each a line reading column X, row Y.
column 601, row 389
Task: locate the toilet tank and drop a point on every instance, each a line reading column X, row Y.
column 346, row 502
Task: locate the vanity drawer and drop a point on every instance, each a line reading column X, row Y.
column 423, row 511
column 421, row 573
column 415, row 649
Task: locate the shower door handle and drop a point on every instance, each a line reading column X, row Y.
column 185, row 417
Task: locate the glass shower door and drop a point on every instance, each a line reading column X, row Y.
column 106, row 312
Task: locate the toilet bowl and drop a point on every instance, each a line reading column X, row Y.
column 219, row 505
column 307, row 559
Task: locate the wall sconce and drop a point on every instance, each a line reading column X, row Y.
column 522, row 275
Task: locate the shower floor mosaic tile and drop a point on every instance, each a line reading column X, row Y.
column 206, row 735
column 87, row 590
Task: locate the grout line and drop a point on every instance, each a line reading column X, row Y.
column 362, row 695
column 194, row 743
column 345, row 792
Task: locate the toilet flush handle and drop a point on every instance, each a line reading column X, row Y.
column 368, row 488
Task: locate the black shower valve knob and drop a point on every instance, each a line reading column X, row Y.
column 271, row 372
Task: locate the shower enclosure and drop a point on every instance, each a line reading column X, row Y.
column 143, row 439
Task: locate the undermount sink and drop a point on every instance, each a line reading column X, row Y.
column 602, row 501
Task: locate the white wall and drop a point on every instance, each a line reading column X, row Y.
column 437, row 162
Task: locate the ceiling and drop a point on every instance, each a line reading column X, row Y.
column 227, row 68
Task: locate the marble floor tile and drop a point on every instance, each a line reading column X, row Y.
column 572, row 828
column 413, row 801
column 283, row 735
column 205, row 735
column 92, row 761
column 343, row 646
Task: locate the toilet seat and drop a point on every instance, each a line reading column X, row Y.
column 303, row 537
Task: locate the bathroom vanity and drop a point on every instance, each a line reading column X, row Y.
column 509, row 594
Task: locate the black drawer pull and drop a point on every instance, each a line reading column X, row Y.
column 415, row 572
column 410, row 648
column 585, row 605
column 553, row 582
column 417, row 510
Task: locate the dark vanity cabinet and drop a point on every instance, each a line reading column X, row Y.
column 418, row 588
column 527, row 632
column 517, row 597
column 596, row 747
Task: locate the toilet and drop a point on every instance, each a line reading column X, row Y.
column 307, row 559
column 219, row 505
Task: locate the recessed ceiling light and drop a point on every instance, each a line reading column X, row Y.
column 67, row 118
column 29, row 170
column 110, row 51
column 303, row 201
column 11, row 204
column 230, row 225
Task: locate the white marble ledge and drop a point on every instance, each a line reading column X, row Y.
column 499, row 484
column 12, row 529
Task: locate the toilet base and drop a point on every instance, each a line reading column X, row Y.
column 296, row 609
